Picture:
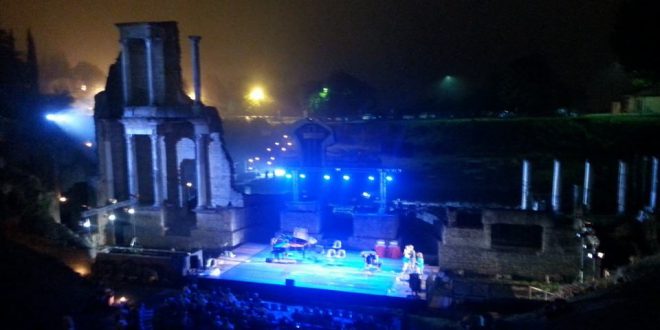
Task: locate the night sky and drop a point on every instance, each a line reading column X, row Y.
column 398, row 47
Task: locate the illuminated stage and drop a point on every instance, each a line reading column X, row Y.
column 339, row 280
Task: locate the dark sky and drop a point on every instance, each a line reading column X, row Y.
column 396, row 46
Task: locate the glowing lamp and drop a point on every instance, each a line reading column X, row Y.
column 326, row 177
column 279, row 172
column 346, row 177
column 131, row 211
column 371, row 178
column 389, row 178
column 112, row 217
column 302, row 175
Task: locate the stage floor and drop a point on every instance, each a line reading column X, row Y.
column 316, row 271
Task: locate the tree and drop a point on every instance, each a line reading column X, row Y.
column 529, row 86
column 340, row 95
column 635, row 38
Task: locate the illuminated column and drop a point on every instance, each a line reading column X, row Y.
column 295, row 187
column 131, row 161
column 526, row 184
column 150, row 70
column 202, row 191
column 556, row 186
column 382, row 184
column 194, row 42
column 654, row 184
column 621, row 191
column 163, row 167
column 125, row 71
column 586, row 192
column 155, row 169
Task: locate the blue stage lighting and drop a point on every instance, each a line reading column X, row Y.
column 371, row 178
column 389, row 178
column 302, row 175
column 279, row 172
column 326, row 177
column 288, row 176
column 366, row 194
column 346, row 177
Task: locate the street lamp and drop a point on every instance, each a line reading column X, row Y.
column 256, row 96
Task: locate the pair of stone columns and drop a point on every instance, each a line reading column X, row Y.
column 157, row 158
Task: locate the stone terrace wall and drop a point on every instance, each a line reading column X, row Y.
column 470, row 249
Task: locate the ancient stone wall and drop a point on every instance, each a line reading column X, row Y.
column 472, row 249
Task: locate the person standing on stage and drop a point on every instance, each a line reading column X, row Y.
column 419, row 263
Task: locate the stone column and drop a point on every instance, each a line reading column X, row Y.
column 556, row 186
column 586, row 192
column 163, row 167
column 202, row 170
column 621, row 191
column 194, row 42
column 526, row 184
column 295, row 187
column 125, row 71
column 107, row 160
column 155, row 169
column 654, row 184
column 150, row 70
column 131, row 161
column 382, row 185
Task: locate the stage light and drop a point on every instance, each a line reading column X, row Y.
column 326, row 177
column 389, row 178
column 272, row 158
column 366, row 195
column 589, row 255
column 285, row 136
column 346, row 177
column 371, row 178
column 269, row 149
column 189, row 184
column 63, row 199
column 87, row 223
column 112, row 217
column 269, row 163
column 302, row 175
column 279, row 172
column 250, row 168
column 277, row 143
column 57, row 118
column 131, row 211
column 283, row 149
column 251, row 160
column 288, row 176
column 88, row 144
column 256, row 158
column 601, row 255
column 289, row 144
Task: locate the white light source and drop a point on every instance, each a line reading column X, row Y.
column 87, row 223
column 279, row 172
column 131, row 211
column 371, row 178
column 302, row 175
column 63, row 199
column 112, row 217
column 601, row 255
column 346, row 177
column 366, row 194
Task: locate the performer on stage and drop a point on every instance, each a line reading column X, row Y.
column 371, row 260
column 408, row 259
column 419, row 263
